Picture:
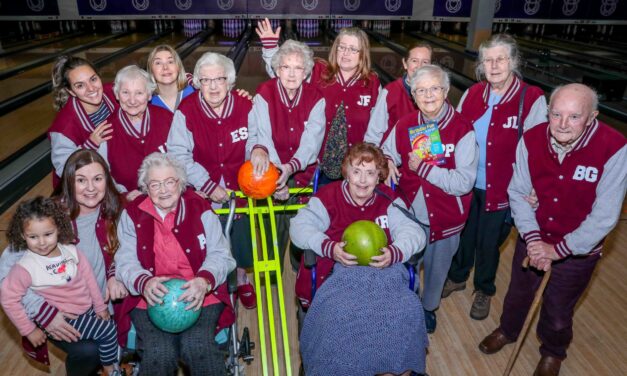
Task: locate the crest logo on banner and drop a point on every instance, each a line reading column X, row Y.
column 453, row 6
column 225, row 4
column 183, row 4
column 570, row 7
column 608, row 7
column 447, row 61
column 98, row 5
column 393, row 5
column 268, row 4
column 35, row 5
column 351, row 5
column 532, row 7
column 497, row 6
column 141, row 5
column 309, row 4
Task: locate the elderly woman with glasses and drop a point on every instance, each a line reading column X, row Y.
column 170, row 232
column 437, row 187
column 139, row 128
column 287, row 119
column 348, row 85
column 287, row 125
column 364, row 320
column 208, row 135
column 499, row 107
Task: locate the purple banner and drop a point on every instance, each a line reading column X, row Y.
column 607, row 10
column 372, row 8
column 452, row 8
column 29, row 8
column 570, row 9
column 160, row 7
column 523, row 9
column 283, row 7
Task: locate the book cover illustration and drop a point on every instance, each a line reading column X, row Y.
column 426, row 143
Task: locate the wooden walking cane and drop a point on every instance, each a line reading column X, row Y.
column 530, row 315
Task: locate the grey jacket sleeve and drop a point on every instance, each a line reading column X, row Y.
column 311, row 139
column 519, row 187
column 260, row 130
column 308, row 226
column 218, row 260
column 389, row 148
column 31, row 301
column 407, row 236
column 379, row 117
column 606, row 208
column 181, row 144
column 128, row 269
column 61, row 149
column 461, row 179
column 267, row 54
column 538, row 113
column 461, row 101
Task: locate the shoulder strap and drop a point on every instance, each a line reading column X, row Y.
column 406, row 212
column 520, row 109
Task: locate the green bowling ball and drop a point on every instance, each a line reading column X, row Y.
column 364, row 239
column 171, row 316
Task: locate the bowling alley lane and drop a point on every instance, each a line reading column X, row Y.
column 31, row 78
column 34, row 53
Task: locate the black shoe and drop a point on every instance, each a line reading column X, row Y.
column 430, row 321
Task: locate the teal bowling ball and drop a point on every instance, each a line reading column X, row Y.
column 171, row 316
column 364, row 239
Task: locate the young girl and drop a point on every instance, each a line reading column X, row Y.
column 58, row 272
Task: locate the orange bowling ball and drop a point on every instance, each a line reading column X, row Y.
column 254, row 186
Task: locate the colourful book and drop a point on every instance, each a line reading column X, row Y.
column 426, row 143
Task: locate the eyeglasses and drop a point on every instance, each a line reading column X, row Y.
column 208, row 81
column 350, row 50
column 168, row 183
column 286, row 69
column 499, row 60
column 434, row 90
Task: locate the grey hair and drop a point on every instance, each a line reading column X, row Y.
column 499, row 40
column 291, row 47
column 215, row 59
column 158, row 159
column 430, row 71
column 594, row 96
column 133, row 72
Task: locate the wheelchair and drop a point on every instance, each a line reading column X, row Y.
column 235, row 347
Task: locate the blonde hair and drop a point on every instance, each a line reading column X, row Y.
column 181, row 80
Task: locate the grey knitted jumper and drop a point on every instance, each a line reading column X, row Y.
column 364, row 321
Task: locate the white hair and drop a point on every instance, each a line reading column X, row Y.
column 133, row 72
column 292, row 47
column 215, row 59
column 158, row 159
column 430, row 71
column 594, row 96
column 499, row 40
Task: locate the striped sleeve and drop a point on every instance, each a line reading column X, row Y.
column 307, row 229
